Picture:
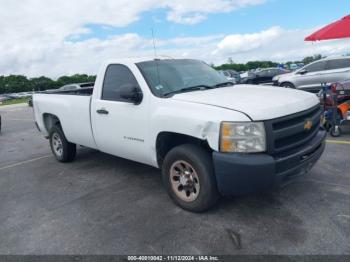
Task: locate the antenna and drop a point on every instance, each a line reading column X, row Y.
column 155, row 56
column 154, row 44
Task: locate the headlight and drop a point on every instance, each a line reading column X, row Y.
column 243, row 137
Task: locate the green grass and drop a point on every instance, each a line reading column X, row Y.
column 15, row 101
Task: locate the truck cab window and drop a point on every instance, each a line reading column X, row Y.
column 116, row 77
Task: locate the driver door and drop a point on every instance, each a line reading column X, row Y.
column 120, row 127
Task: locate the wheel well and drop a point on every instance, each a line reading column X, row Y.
column 168, row 140
column 50, row 120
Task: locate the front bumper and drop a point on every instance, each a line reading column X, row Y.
column 248, row 173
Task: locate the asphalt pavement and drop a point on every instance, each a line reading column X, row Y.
column 102, row 204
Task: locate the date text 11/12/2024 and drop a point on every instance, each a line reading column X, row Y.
column 173, row 258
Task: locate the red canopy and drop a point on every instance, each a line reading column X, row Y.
column 336, row 30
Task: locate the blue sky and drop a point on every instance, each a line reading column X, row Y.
column 289, row 14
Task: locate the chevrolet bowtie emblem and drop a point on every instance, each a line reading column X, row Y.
column 308, row 125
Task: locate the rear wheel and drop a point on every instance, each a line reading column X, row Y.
column 287, row 85
column 63, row 150
column 188, row 176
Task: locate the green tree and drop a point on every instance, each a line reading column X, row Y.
column 19, row 83
column 42, row 83
column 2, row 85
column 15, row 84
column 310, row 59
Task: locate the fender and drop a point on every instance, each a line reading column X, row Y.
column 190, row 119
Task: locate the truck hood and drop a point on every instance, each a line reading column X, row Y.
column 258, row 102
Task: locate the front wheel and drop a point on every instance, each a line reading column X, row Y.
column 188, row 176
column 63, row 150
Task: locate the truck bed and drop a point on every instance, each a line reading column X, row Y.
column 73, row 110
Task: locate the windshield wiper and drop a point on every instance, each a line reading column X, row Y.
column 188, row 89
column 198, row 87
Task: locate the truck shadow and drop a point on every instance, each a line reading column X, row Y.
column 117, row 167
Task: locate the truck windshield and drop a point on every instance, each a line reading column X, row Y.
column 167, row 77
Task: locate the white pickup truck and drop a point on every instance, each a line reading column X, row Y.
column 209, row 137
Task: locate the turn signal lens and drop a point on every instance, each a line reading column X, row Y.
column 227, row 145
column 226, row 130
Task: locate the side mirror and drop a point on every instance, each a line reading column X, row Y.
column 302, row 72
column 132, row 94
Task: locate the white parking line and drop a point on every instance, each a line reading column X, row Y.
column 13, row 108
column 24, row 162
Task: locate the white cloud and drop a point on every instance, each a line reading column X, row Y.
column 195, row 11
column 34, row 32
column 245, row 42
column 277, row 44
column 86, row 56
column 34, row 35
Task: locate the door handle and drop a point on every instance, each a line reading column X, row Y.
column 102, row 112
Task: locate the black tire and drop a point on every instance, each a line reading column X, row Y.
column 201, row 162
column 335, row 131
column 287, row 85
column 69, row 150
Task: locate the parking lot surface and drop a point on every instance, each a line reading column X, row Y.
column 102, row 204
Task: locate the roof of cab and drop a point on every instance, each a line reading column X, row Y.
column 135, row 60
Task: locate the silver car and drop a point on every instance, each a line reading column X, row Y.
column 312, row 76
column 230, row 75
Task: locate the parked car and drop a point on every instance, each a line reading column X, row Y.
column 228, row 76
column 24, row 94
column 209, row 137
column 231, row 75
column 312, row 76
column 4, row 98
column 243, row 74
column 262, row 76
column 14, row 96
